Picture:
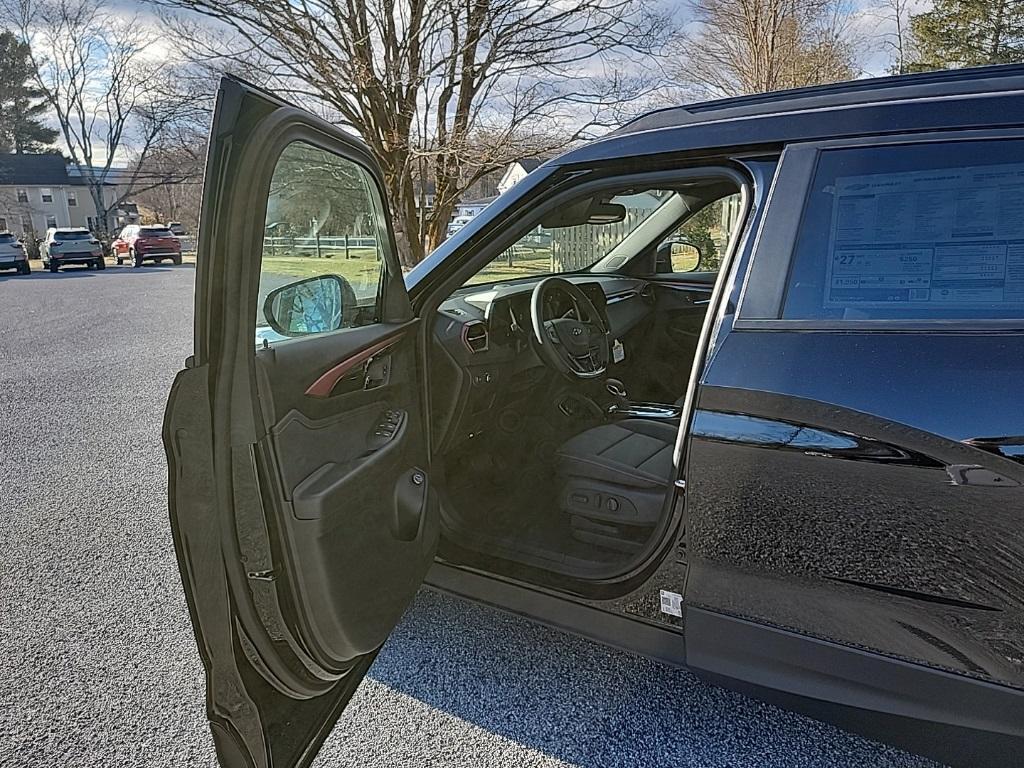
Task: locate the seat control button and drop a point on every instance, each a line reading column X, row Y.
column 612, row 504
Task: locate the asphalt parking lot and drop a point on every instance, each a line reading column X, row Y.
column 100, row 665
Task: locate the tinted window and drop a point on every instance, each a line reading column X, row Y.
column 5, row 238
column 155, row 232
column 923, row 231
column 59, row 235
column 326, row 236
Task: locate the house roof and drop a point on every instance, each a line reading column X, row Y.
column 34, row 170
column 529, row 164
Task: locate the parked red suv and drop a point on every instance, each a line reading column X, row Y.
column 139, row 242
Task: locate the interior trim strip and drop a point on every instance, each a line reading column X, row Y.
column 327, row 381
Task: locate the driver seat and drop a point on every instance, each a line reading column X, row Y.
column 613, row 479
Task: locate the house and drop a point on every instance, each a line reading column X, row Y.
column 470, row 208
column 38, row 192
column 517, row 170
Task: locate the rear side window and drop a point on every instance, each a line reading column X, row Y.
column 912, row 232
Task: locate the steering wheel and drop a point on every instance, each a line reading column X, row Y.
column 577, row 347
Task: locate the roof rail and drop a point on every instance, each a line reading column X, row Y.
column 833, row 94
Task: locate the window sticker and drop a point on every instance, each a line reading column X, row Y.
column 951, row 237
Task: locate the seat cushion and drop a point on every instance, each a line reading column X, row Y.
column 634, row 452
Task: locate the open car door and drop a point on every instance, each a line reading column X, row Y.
column 300, row 502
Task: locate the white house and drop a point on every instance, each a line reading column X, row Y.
column 517, row 171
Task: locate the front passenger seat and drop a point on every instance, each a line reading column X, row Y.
column 613, row 480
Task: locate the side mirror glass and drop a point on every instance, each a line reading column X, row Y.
column 315, row 305
column 677, row 256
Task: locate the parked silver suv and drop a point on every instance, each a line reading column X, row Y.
column 12, row 254
column 71, row 245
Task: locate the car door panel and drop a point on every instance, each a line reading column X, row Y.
column 300, row 504
column 344, row 484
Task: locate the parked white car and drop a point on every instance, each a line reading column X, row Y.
column 71, row 245
column 12, row 254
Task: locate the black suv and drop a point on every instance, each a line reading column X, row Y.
column 737, row 387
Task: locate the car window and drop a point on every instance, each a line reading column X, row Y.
column 64, row 235
column 6, row 238
column 920, row 231
column 551, row 250
column 155, row 232
column 700, row 243
column 324, row 235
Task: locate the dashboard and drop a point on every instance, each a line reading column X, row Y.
column 484, row 331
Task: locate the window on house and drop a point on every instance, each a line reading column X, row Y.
column 51, row 221
column 72, row 199
column 47, row 195
column 22, row 195
column 3, row 224
column 26, row 224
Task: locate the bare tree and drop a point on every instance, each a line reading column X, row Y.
column 752, row 46
column 893, row 33
column 441, row 90
column 102, row 80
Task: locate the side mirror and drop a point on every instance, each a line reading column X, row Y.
column 677, row 256
column 315, row 305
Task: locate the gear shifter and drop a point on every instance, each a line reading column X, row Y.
column 617, row 390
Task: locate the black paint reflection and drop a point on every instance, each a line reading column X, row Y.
column 885, row 526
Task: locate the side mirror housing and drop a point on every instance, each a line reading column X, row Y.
column 315, row 305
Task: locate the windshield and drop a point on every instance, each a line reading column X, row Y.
column 64, row 235
column 562, row 249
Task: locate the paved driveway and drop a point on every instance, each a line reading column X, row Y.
column 99, row 662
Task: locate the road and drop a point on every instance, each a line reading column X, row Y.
column 100, row 665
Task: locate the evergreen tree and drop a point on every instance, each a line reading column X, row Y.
column 967, row 33
column 21, row 107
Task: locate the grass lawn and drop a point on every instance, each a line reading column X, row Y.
column 356, row 271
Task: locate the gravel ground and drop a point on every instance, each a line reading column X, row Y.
column 100, row 666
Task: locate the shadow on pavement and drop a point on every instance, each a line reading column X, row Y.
column 590, row 705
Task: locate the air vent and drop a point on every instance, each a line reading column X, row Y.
column 474, row 336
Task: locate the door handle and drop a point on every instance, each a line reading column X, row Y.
column 376, row 372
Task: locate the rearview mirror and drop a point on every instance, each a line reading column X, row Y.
column 592, row 210
column 315, row 305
